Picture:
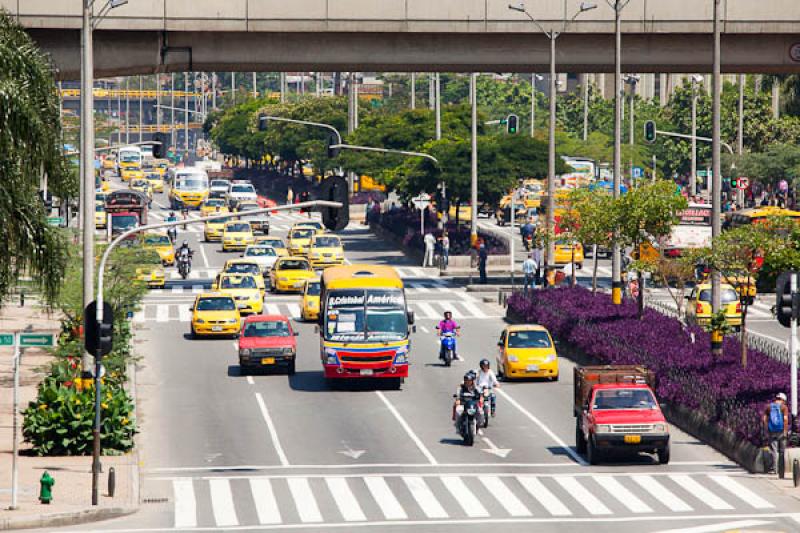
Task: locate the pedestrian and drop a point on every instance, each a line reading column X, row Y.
column 483, row 256
column 776, row 426
column 529, row 268
column 290, row 196
column 445, row 249
column 430, row 243
column 537, row 255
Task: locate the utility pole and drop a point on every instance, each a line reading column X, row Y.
column 87, row 168
column 551, row 157
column 533, row 104
column 616, row 264
column 186, row 114
column 438, row 106
column 740, row 136
column 127, row 111
column 255, row 85
column 716, row 176
column 119, row 111
column 283, row 87
column 172, row 134
column 586, row 107
column 693, row 175
column 413, row 90
column 158, row 103
column 214, row 91
column 474, row 162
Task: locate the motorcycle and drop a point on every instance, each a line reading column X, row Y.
column 467, row 417
column 184, row 264
column 488, row 405
column 448, row 347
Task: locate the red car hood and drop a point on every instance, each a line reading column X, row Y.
column 266, row 342
column 628, row 416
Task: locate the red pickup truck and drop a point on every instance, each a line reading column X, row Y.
column 616, row 410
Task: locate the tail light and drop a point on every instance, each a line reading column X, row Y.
column 699, row 309
column 738, row 307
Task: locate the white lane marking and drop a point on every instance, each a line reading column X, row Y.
column 197, row 289
column 162, row 313
column 621, row 493
column 701, row 493
column 139, row 315
column 264, row 498
column 185, row 503
column 507, row 499
column 421, row 289
column 273, row 309
column 203, row 255
column 304, row 501
column 345, row 499
column 722, row 526
column 577, row 458
column 547, row 499
column 385, row 499
column 250, row 380
column 424, row 497
column 424, row 329
column 465, row 498
column 184, row 313
column 472, row 308
column 588, row 500
column 222, row 502
column 194, row 274
column 422, row 448
column 294, row 310
column 661, row 493
column 177, row 289
column 271, row 428
column 740, row 491
column 425, row 309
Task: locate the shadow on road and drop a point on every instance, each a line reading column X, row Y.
column 313, row 381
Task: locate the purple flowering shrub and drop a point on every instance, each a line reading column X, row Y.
column 688, row 375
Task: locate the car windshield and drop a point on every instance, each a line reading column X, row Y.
column 216, row 304
column 275, row 243
column 313, row 288
column 243, row 188
column 327, row 242
column 99, row 208
column 366, row 315
column 247, row 207
column 260, row 251
column 529, row 339
column 157, row 240
column 301, row 234
column 727, row 296
column 219, row 221
column 243, row 268
column 277, row 328
column 129, row 157
column 238, row 282
column 294, row 264
column 219, row 183
column 237, row 228
column 624, row 399
column 215, row 202
column 153, row 176
column 140, row 183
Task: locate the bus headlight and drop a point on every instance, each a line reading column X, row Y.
column 331, row 358
column 401, row 358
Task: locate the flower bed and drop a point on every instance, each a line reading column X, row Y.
column 688, row 376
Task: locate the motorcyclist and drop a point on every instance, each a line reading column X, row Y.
column 487, row 379
column 185, row 255
column 468, row 390
column 171, row 217
column 448, row 325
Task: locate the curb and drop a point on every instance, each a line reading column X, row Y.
column 66, row 518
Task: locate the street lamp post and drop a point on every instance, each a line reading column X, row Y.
column 551, row 155
column 473, row 96
column 716, row 177
column 534, row 78
column 740, row 136
column 632, row 80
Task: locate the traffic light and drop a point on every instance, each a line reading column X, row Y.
column 335, row 189
column 160, row 149
column 333, row 152
column 734, row 183
column 512, row 123
column 98, row 337
column 650, row 131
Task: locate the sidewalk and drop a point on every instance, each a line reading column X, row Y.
column 73, row 481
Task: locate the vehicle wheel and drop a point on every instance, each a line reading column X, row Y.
column 290, row 370
column 192, row 333
column 469, row 437
column 592, row 454
column 580, row 442
column 554, row 378
column 486, row 413
column 751, row 300
column 448, row 357
column 663, row 455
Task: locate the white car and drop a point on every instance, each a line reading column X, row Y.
column 262, row 254
column 220, row 186
column 238, row 192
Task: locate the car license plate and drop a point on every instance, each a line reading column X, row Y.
column 298, row 284
column 532, row 368
column 633, row 439
column 367, row 372
column 267, row 360
column 216, row 328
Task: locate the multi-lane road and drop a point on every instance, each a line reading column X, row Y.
column 222, row 451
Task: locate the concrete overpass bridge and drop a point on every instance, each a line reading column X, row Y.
column 147, row 36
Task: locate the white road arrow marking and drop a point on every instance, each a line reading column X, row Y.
column 350, row 452
column 499, row 452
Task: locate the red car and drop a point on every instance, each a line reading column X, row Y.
column 266, row 342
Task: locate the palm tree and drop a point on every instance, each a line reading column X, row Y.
column 30, row 144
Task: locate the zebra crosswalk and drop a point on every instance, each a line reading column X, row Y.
column 411, row 275
column 328, row 499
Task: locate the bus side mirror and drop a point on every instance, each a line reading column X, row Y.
column 413, row 329
column 411, row 317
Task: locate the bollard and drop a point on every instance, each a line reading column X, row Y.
column 796, row 472
column 46, row 483
column 22, row 298
column 112, row 482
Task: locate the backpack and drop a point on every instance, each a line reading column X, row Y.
column 775, row 422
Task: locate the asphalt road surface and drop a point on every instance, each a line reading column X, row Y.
column 222, row 451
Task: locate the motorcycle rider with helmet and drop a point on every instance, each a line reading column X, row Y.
column 486, row 378
column 468, row 390
column 448, row 325
column 185, row 254
column 172, row 231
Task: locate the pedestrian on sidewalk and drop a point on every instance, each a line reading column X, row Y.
column 776, row 426
column 445, row 249
column 483, row 256
column 529, row 268
column 430, row 244
column 537, row 256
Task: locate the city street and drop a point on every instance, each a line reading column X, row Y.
column 222, row 451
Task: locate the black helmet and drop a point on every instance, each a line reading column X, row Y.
column 172, row 213
column 470, row 375
column 448, row 313
column 484, row 362
column 185, row 244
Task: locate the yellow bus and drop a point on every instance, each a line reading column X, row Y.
column 364, row 323
column 757, row 215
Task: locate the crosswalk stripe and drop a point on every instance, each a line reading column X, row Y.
column 465, row 498
column 621, row 493
column 507, row 499
column 177, row 289
column 294, row 310
column 304, row 501
column 700, row 492
column 345, row 499
column 661, row 493
column 588, row 500
column 184, row 313
column 547, row 499
column 424, row 497
column 197, row 289
column 425, row 309
column 185, row 507
column 222, row 502
column 162, row 313
column 741, row 492
column 273, row 309
column 385, row 499
column 266, row 505
column 473, row 309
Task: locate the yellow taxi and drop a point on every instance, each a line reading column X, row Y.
column 244, row 289
column 128, row 174
column 161, row 166
column 300, row 240
column 318, row 226
column 563, row 253
column 150, row 269
column 326, row 250
column 109, row 162
column 155, row 180
column 527, row 351
column 100, row 197
column 215, row 314
column 101, row 184
column 698, row 310
column 161, row 243
column 310, row 307
column 244, row 266
column 213, row 206
column 100, row 218
column 142, row 185
column 746, row 287
column 277, row 244
column 212, row 232
column 289, row 274
column 237, row 235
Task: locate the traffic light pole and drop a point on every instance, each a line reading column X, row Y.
column 793, row 346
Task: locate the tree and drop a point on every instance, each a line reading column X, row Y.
column 594, row 225
column 30, row 144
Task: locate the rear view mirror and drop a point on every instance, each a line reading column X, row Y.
column 413, row 329
column 411, row 317
column 500, row 343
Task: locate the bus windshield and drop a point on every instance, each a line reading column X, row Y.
column 130, row 157
column 360, row 315
column 191, row 183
